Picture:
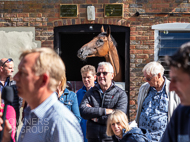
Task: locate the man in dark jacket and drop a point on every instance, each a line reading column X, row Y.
column 100, row 101
column 6, row 72
column 178, row 127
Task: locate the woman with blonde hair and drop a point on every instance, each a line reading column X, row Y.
column 118, row 127
column 68, row 98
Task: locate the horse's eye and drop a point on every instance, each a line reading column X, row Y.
column 100, row 40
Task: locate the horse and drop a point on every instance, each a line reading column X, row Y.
column 103, row 45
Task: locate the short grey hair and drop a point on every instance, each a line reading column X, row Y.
column 153, row 68
column 106, row 64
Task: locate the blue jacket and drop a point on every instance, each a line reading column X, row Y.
column 69, row 99
column 178, row 129
column 134, row 135
column 80, row 95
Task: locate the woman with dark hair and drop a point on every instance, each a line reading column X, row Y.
column 68, row 98
column 119, row 129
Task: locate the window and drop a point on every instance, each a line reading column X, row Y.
column 168, row 38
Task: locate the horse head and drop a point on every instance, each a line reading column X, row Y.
column 97, row 47
column 103, row 45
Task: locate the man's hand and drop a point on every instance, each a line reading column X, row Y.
column 7, row 129
column 88, row 105
column 108, row 111
column 95, row 119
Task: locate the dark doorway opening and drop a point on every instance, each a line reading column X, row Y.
column 69, row 39
column 72, row 42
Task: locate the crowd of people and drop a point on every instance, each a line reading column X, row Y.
column 98, row 111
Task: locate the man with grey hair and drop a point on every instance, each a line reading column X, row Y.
column 46, row 118
column 155, row 102
column 100, row 101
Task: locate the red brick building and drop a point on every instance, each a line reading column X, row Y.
column 148, row 21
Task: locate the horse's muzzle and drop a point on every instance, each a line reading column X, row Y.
column 80, row 54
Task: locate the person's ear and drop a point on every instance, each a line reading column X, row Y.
column 94, row 77
column 44, row 79
column 1, row 68
column 112, row 75
column 159, row 75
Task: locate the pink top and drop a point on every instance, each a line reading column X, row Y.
column 11, row 117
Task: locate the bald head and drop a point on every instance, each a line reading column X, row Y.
column 3, row 60
column 6, row 67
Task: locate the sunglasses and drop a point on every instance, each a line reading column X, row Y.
column 104, row 73
column 149, row 79
column 8, row 60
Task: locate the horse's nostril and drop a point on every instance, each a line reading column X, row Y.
column 80, row 51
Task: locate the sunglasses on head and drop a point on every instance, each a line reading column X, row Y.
column 104, row 73
column 8, row 60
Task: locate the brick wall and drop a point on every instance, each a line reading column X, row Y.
column 44, row 16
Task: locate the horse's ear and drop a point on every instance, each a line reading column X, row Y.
column 108, row 31
column 102, row 29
